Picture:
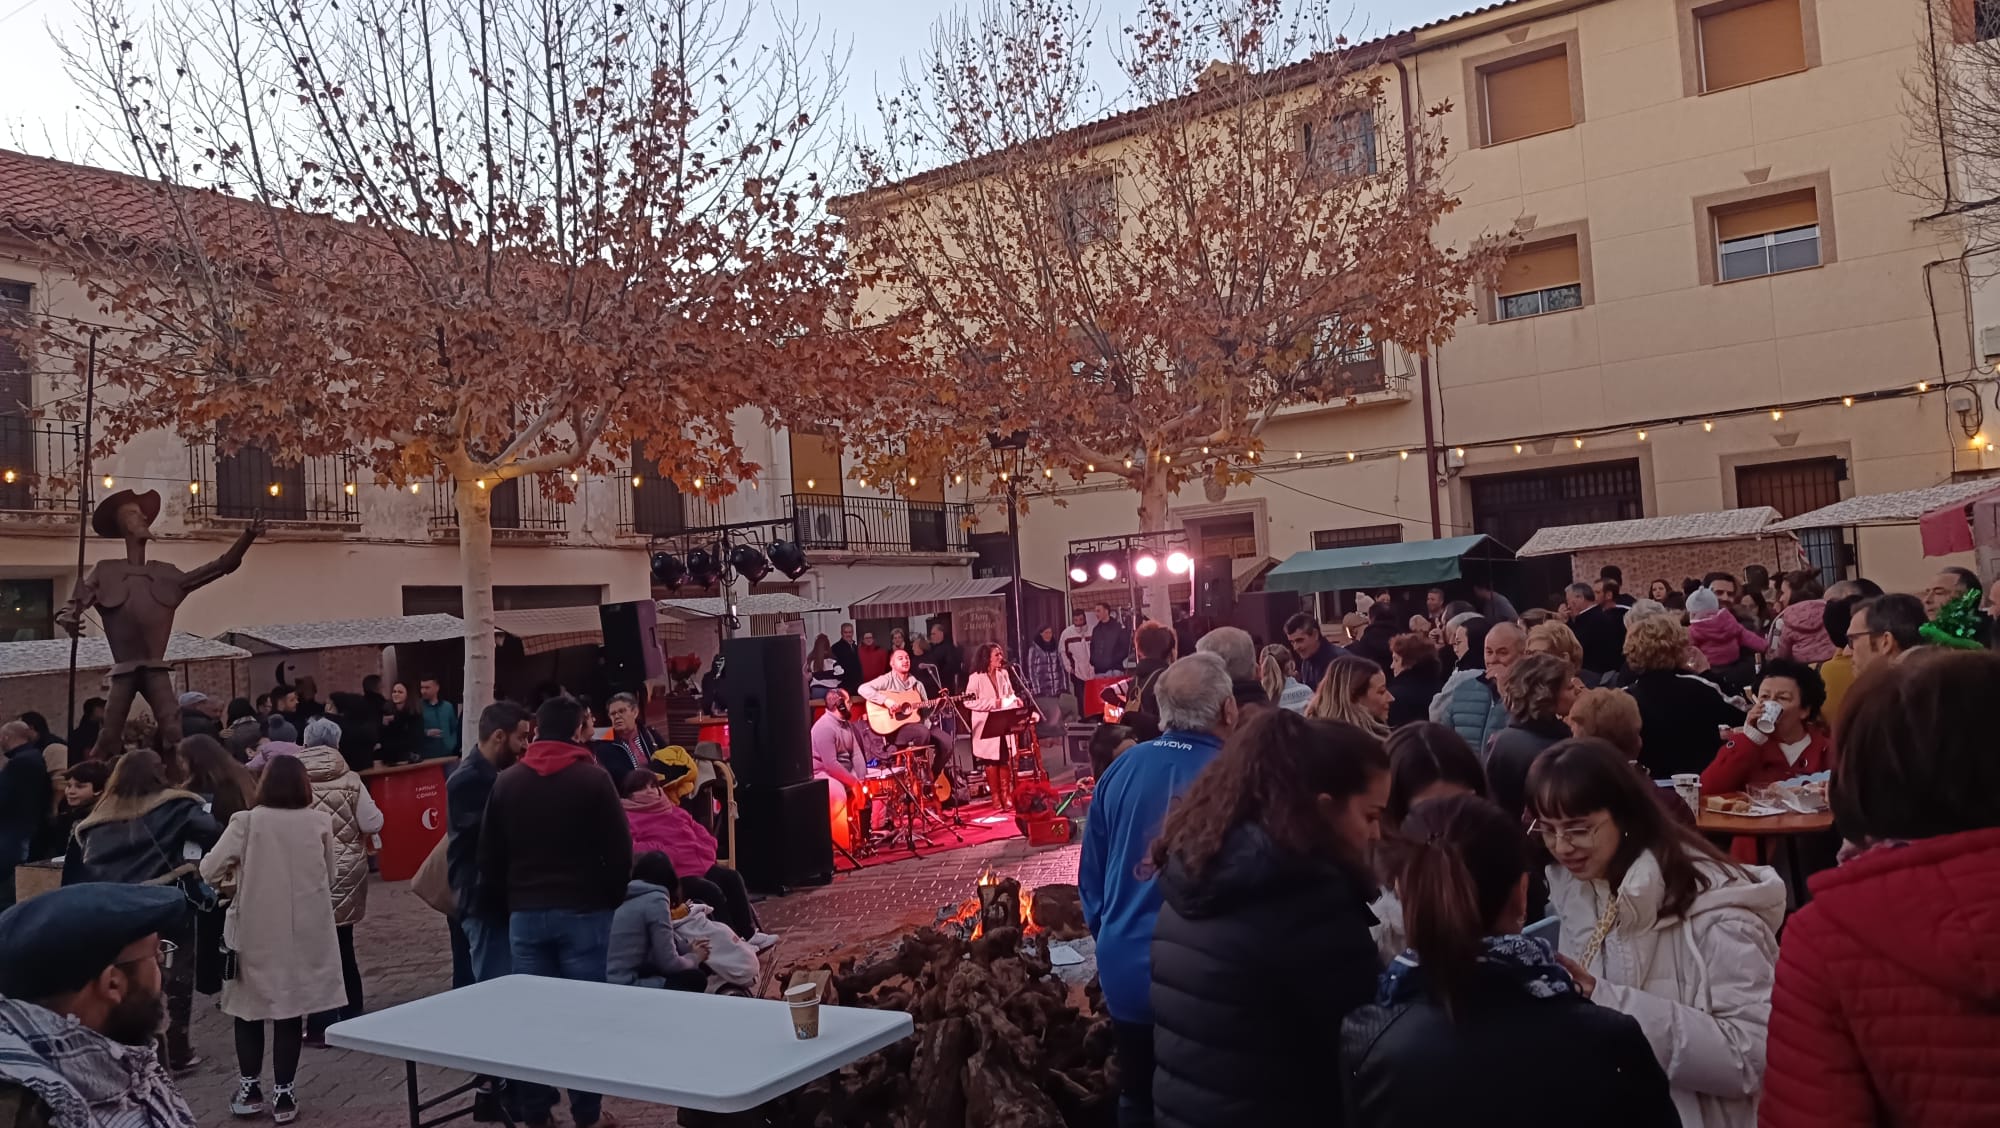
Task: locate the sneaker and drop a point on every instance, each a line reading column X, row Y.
column 763, row 941
column 284, row 1106
column 185, row 1066
column 249, row 1098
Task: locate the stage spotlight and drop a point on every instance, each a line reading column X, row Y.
column 1107, row 570
column 1077, row 575
column 789, row 558
column 668, row 571
column 748, row 563
column 1178, row 562
column 1147, row 566
column 702, row 567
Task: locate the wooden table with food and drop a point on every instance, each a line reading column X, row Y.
column 1739, row 815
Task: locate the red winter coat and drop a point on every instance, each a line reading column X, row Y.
column 1887, row 1005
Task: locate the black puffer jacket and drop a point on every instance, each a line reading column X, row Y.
column 133, row 842
column 1679, row 717
column 1254, row 963
column 1509, row 1060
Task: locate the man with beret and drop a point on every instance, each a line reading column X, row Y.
column 81, row 1007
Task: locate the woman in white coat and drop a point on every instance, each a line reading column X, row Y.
column 989, row 689
column 1659, row 924
column 278, row 857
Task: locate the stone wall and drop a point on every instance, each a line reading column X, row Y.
column 1675, row 562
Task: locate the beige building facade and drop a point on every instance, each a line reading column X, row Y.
column 1721, row 295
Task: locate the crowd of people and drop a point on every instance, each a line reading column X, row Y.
column 242, row 856
column 1450, row 870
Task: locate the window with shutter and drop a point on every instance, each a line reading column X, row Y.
column 1768, row 236
column 1526, row 99
column 1745, row 43
column 1541, row 278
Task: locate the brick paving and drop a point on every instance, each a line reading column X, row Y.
column 405, row 955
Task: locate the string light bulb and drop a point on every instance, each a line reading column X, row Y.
column 1128, row 464
column 1403, row 454
column 1517, row 448
column 958, row 479
column 1350, row 456
column 1298, row 454
column 1166, row 458
column 1048, row 472
column 1708, row 425
column 1642, row 436
column 1003, row 475
column 414, row 487
column 913, row 479
column 573, row 476
column 349, row 488
column 1777, row 415
column 109, row 481
column 636, row 480
column 193, row 487
column 1847, row 401
column 697, row 482
column 480, row 482
column 274, row 489
column 1923, row 385
column 1090, row 467
column 1458, row 451
column 1579, row 443
column 811, row 484
column 863, row 481
column 1204, row 450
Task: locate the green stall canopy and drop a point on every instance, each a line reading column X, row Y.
column 1388, row 565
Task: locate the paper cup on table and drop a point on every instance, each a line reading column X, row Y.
column 1687, row 785
column 803, row 999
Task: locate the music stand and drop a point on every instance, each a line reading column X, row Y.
column 1013, row 723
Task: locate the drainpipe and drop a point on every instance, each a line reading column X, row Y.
column 1423, row 359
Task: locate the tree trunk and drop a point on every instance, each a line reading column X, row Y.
column 475, row 562
column 1153, row 501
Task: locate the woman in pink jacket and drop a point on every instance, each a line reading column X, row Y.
column 1801, row 630
column 659, row 823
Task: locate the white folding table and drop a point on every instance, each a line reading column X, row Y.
column 716, row 1053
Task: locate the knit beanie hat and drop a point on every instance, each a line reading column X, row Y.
column 1702, row 602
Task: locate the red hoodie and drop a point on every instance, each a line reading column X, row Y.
column 1887, row 1004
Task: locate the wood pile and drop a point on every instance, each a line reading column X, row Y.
column 1000, row 1043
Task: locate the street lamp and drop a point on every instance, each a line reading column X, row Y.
column 1010, row 448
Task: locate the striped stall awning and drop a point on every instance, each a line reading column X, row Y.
column 904, row 601
column 542, row 629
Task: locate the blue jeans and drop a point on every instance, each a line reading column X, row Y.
column 491, row 951
column 561, row 944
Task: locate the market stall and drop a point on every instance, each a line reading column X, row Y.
column 1670, row 548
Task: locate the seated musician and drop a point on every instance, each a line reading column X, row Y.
column 989, row 690
column 914, row 730
column 836, row 755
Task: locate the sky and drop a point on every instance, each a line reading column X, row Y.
column 38, row 104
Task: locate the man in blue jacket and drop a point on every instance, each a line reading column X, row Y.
column 1115, row 873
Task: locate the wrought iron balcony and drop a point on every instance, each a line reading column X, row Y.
column 839, row 523
column 519, row 505
column 249, row 483
column 40, row 466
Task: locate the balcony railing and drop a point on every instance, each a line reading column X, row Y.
column 837, row 523
column 655, row 507
column 40, row 465
column 519, row 505
column 249, row 483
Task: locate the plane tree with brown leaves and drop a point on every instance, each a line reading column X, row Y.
column 1140, row 293
column 462, row 243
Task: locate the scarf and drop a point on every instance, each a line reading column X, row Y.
column 86, row 1079
column 1528, row 963
column 547, row 757
column 1048, row 646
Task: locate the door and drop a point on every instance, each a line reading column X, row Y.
column 818, row 507
column 1511, row 507
column 1796, row 487
column 17, row 428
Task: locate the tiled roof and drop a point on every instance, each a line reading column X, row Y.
column 1725, row 525
column 39, row 196
column 349, row 632
column 51, row 655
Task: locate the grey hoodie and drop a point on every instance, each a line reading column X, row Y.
column 644, row 947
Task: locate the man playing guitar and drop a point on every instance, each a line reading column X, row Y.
column 914, row 730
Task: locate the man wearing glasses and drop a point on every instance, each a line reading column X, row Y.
column 82, row 1002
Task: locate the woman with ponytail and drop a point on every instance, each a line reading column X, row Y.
column 1262, row 943
column 1278, row 670
column 1467, row 1024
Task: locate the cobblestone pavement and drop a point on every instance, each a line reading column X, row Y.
column 405, row 955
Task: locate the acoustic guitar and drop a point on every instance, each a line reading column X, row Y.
column 904, row 707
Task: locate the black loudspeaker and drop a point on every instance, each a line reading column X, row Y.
column 783, row 837
column 632, row 654
column 1214, row 588
column 764, row 687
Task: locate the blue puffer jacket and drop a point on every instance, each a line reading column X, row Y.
column 1474, row 710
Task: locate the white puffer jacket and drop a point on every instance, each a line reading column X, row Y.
column 1700, row 986
column 339, row 792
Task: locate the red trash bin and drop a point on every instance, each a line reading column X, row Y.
column 413, row 814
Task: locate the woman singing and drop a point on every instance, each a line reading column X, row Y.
column 988, row 690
